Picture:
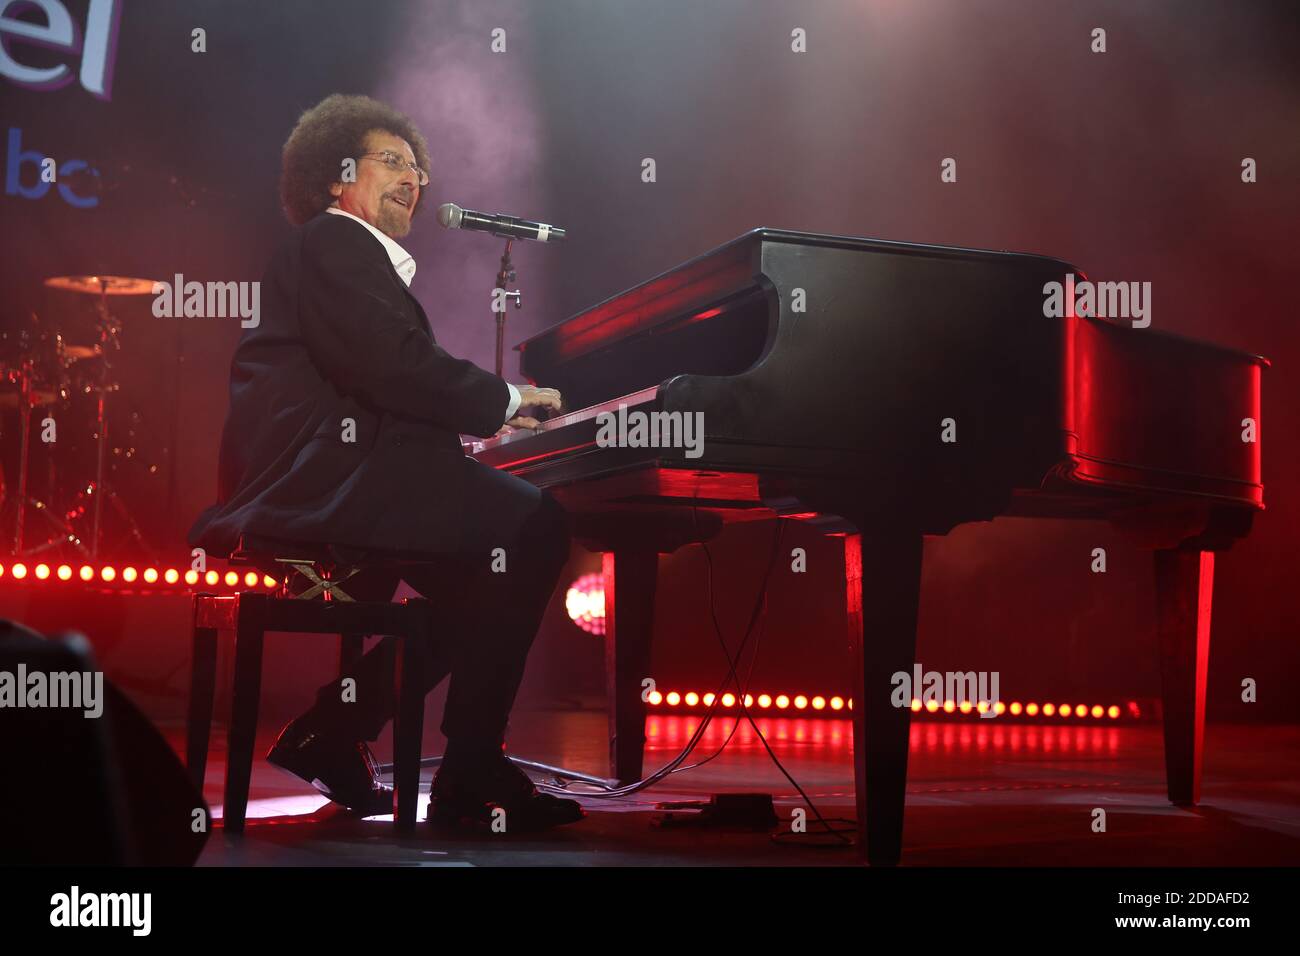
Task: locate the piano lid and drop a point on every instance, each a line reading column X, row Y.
column 725, row 272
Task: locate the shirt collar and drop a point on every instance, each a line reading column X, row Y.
column 402, row 261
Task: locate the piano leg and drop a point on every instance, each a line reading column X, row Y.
column 1184, row 586
column 630, row 577
column 883, row 590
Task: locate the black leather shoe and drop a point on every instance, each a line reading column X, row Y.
column 347, row 773
column 465, row 797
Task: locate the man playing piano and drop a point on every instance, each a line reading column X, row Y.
column 343, row 429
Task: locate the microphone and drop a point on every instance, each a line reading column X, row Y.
column 507, row 227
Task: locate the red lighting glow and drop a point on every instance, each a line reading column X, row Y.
column 42, row 571
column 64, row 572
column 108, row 572
column 584, row 602
column 20, row 571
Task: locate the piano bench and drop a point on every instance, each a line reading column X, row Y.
column 320, row 608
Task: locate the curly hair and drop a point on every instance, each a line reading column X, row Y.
column 331, row 131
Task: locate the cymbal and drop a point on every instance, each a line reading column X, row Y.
column 94, row 285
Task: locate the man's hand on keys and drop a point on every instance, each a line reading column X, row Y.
column 530, row 397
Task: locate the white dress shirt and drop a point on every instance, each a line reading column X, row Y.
column 404, row 265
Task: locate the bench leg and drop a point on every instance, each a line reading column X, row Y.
column 408, row 721
column 198, row 718
column 249, row 634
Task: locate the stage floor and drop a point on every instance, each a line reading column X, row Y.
column 978, row 795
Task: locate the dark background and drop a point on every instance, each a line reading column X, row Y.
column 1127, row 163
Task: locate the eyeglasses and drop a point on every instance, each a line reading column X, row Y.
column 396, row 164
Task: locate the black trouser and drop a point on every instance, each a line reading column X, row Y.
column 485, row 618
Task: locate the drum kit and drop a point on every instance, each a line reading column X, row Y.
column 61, row 393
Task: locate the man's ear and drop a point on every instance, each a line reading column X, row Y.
column 336, row 190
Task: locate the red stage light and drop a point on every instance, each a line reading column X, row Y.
column 655, row 697
column 782, row 702
column 931, row 706
column 42, row 571
column 270, row 582
column 250, row 579
column 1064, row 710
column 171, row 576
column 1031, row 710
column 949, row 706
column 692, row 698
column 708, row 700
column 764, row 700
column 108, row 572
column 192, row 576
column 210, row 578
column 749, row 700
column 1112, row 712
column 1016, row 708
column 673, row 698
column 86, row 572
column 232, row 578
column 837, row 703
column 128, row 574
column 584, row 602
column 964, row 707
column 150, row 575
column 1049, row 710
column 20, row 571
column 999, row 708
column 1097, row 710
column 800, row 702
column 65, row 572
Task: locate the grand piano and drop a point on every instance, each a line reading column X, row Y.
column 885, row 391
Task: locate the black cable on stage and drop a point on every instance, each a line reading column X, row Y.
column 674, row 765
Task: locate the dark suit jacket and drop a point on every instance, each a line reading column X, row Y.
column 340, row 337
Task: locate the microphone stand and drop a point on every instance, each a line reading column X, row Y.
column 507, row 274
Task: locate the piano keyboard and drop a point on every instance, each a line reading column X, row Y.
column 560, row 421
